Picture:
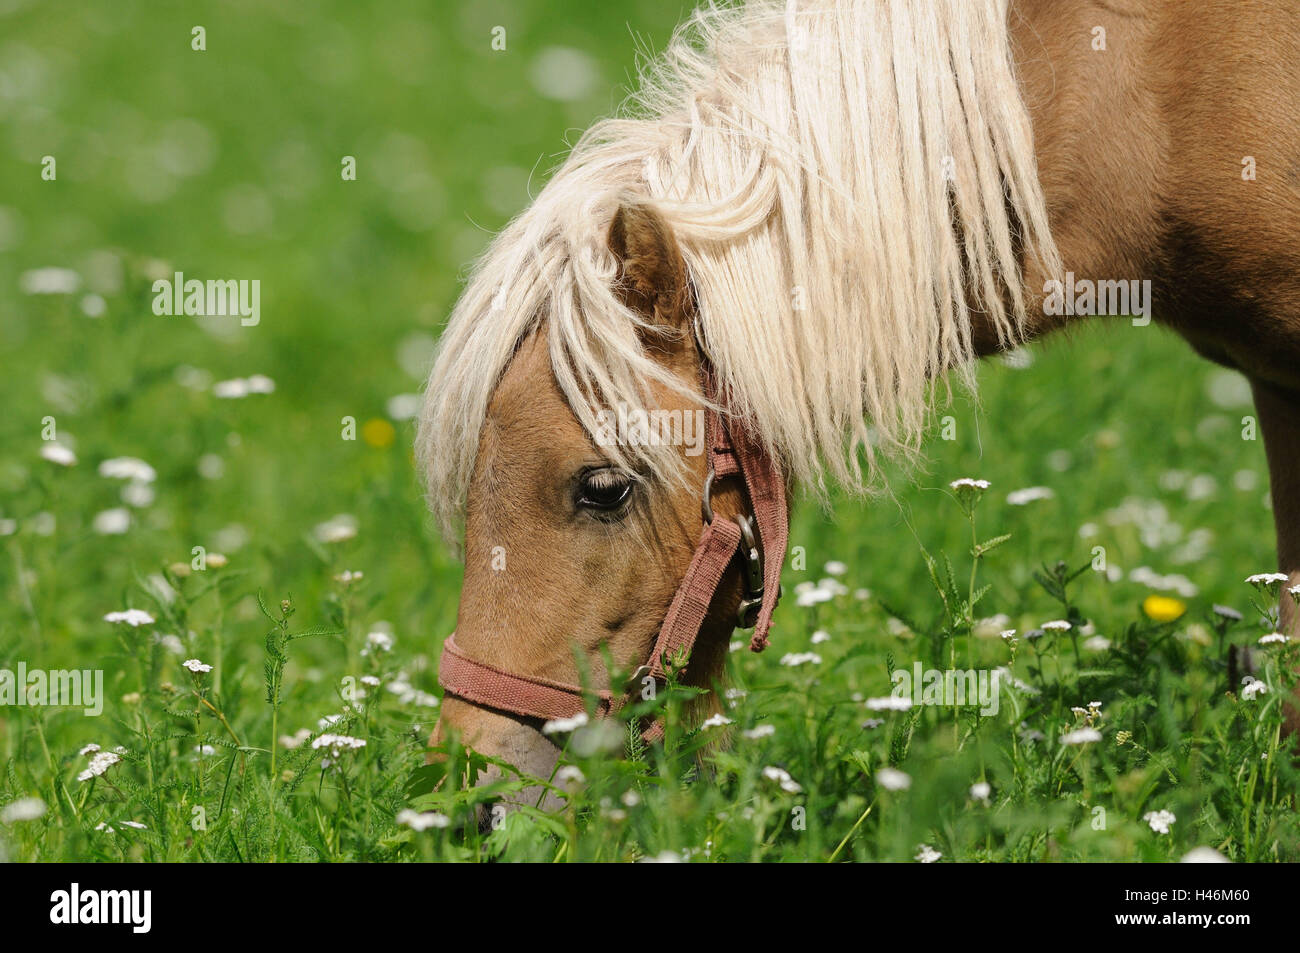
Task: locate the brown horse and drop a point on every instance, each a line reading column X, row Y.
column 822, row 206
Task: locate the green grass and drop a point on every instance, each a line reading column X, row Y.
column 226, row 164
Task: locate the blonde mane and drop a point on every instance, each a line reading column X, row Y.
column 846, row 179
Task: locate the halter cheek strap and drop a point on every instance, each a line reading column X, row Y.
column 731, row 451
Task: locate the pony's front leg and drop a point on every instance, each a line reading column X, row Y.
column 1279, row 419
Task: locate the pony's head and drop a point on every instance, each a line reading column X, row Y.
column 577, row 535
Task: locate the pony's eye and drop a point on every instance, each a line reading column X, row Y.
column 604, row 491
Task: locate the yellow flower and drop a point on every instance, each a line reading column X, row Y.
column 378, row 433
column 1163, row 608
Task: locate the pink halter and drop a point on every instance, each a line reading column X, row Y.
column 722, row 540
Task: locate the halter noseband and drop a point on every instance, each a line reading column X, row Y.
column 732, row 451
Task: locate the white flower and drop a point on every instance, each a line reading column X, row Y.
column 101, row 826
column 1081, row 736
column 1029, row 494
column 197, row 667
column 1274, row 638
column 1251, row 686
column 630, row 798
column 570, row 776
column 820, row 636
column 417, row 821
column 337, row 744
column 204, row 750
column 127, row 468
column 558, row 726
column 794, row 659
column 972, row 484
column 112, row 522
column 782, row 777
column 1159, row 820
column 240, row 387
column 1057, row 625
column 1098, row 643
column 1203, row 855
column 296, row 739
column 57, row 453
column 889, row 703
column 927, row 854
column 370, row 680
column 813, row 596
column 404, row 406
column 337, row 529
column 100, row 763
column 891, row 779
column 836, row 568
column 90, row 749
column 716, row 721
column 981, row 791
column 23, row 809
column 137, row 494
column 379, row 639
column 347, row 577
column 172, row 643
column 760, row 731
column 132, row 617
column 664, row 857
column 49, row 281
column 1266, row 578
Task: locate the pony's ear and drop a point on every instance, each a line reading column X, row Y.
column 652, row 273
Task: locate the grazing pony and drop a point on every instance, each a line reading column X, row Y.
column 808, row 212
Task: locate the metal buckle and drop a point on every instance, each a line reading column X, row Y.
column 750, row 555
column 752, row 574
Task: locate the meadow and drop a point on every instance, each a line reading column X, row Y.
column 225, row 519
